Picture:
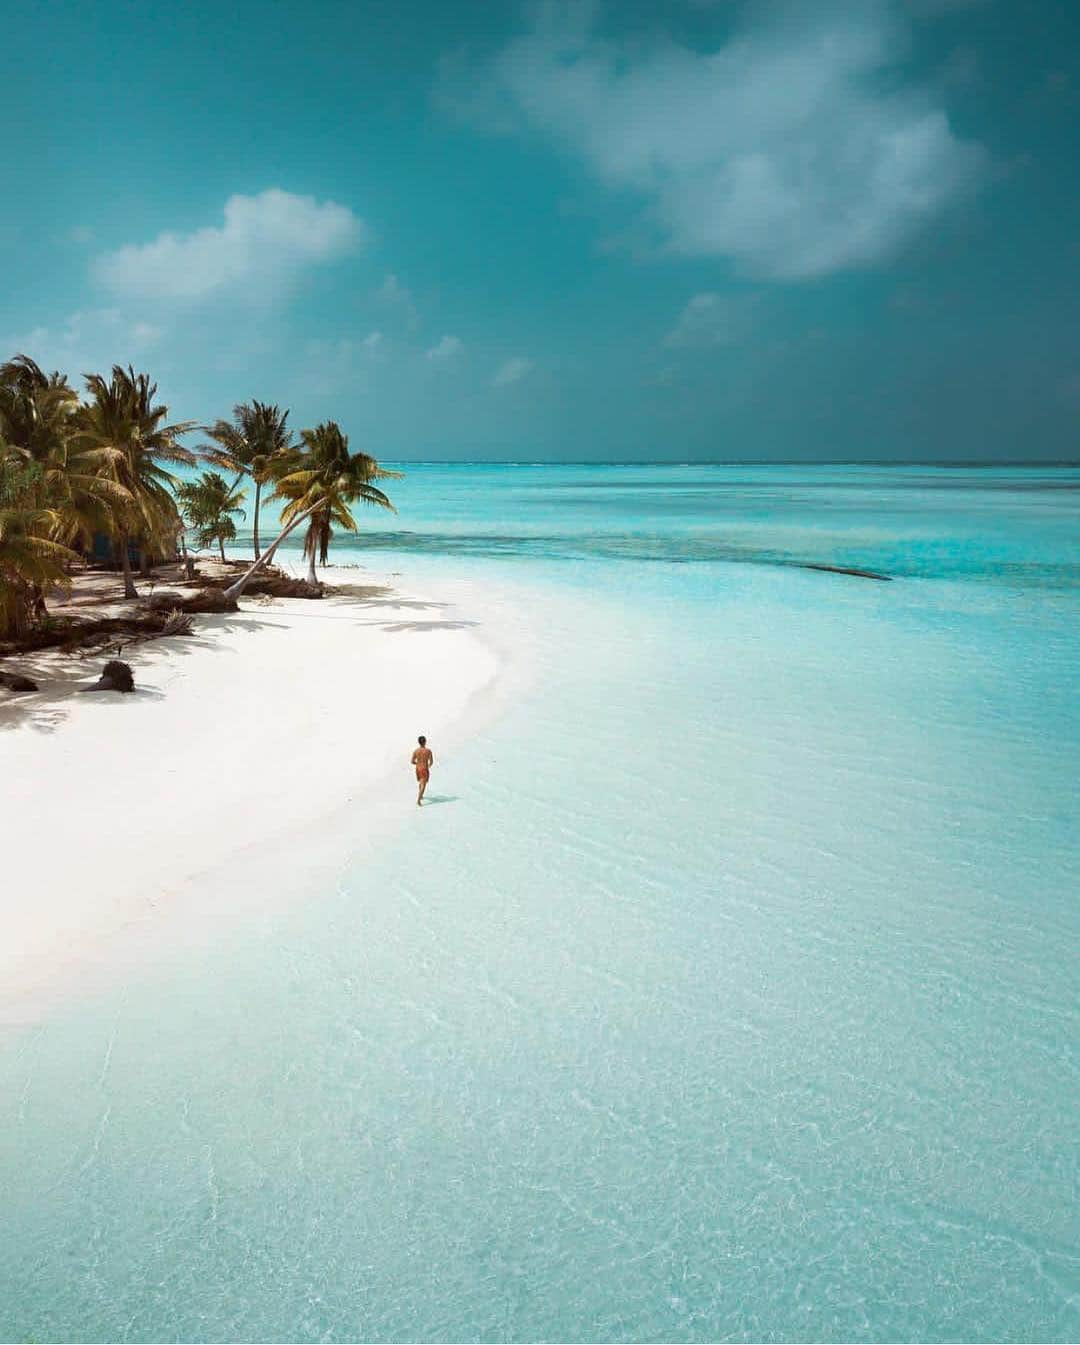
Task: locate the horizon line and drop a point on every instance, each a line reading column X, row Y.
column 734, row 462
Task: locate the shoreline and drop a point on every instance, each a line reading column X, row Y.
column 256, row 738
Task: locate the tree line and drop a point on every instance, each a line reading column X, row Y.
column 73, row 467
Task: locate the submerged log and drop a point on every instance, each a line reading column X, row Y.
column 848, row 569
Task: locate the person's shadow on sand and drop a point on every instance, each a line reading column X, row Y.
column 439, row 798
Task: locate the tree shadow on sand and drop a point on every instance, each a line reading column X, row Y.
column 46, row 709
column 367, row 593
column 407, row 604
column 61, row 674
column 428, row 625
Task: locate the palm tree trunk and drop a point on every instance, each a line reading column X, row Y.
column 255, row 521
column 312, row 577
column 234, row 590
column 130, row 591
column 221, row 543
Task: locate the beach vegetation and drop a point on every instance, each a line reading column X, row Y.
column 47, row 494
column 121, row 417
column 209, row 505
column 255, row 444
column 32, row 560
column 320, row 483
column 94, row 475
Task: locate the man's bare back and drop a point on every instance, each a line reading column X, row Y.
column 423, row 758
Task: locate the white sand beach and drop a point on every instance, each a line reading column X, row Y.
column 121, row 808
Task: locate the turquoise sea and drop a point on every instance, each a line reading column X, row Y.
column 730, row 991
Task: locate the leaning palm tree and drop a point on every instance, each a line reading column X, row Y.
column 323, row 479
column 121, row 416
column 208, row 505
column 253, row 445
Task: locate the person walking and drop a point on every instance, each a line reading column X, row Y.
column 422, row 759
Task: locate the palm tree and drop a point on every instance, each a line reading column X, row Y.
column 208, row 504
column 37, row 418
column 31, row 560
column 34, row 406
column 255, row 442
column 321, row 482
column 64, row 491
column 121, row 417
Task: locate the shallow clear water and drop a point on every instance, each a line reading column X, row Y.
column 731, row 990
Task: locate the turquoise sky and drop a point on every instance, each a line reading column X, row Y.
column 634, row 231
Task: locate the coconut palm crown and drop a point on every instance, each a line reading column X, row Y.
column 31, row 559
column 321, row 478
column 208, row 505
column 54, row 494
column 323, row 482
column 254, row 444
column 121, row 416
column 35, row 407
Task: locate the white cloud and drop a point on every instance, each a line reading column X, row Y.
column 512, row 370
column 334, row 365
column 786, row 150
column 145, row 334
column 446, row 349
column 337, row 364
column 88, row 341
column 711, row 319
column 262, row 244
column 398, row 296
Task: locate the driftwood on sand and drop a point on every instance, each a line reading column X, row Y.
column 80, row 627
column 115, row 676
column 283, row 586
column 208, row 599
column 16, row 682
column 70, row 633
column 273, row 584
column 178, row 623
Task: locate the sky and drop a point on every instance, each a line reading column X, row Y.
column 694, row 230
